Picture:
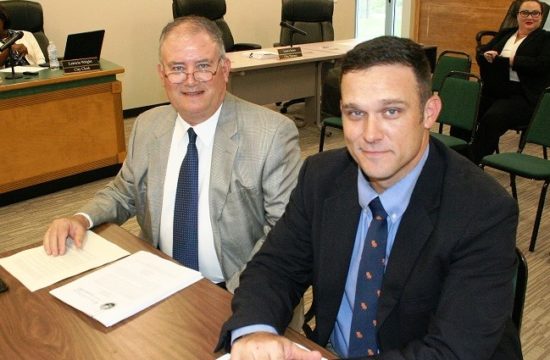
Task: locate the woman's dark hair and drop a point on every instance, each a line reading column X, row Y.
column 5, row 18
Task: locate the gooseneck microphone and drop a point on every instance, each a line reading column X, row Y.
column 293, row 28
column 15, row 35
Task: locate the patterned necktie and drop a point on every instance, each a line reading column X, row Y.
column 362, row 340
column 185, row 246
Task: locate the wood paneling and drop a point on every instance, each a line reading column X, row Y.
column 453, row 24
column 71, row 127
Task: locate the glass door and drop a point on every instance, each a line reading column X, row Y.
column 378, row 17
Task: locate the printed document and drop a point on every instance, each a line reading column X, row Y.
column 125, row 287
column 36, row 270
column 228, row 356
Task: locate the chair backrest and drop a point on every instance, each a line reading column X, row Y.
column 460, row 94
column 448, row 61
column 538, row 131
column 511, row 21
column 312, row 16
column 520, row 288
column 27, row 15
column 211, row 9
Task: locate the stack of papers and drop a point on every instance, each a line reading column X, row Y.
column 124, row 288
column 110, row 294
column 35, row 269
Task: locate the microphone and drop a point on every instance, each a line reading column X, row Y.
column 16, row 35
column 293, row 28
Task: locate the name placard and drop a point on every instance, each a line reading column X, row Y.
column 79, row 65
column 291, row 52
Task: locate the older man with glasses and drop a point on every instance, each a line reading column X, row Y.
column 243, row 158
column 523, row 53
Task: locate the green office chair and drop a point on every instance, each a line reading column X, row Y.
column 528, row 166
column 460, row 93
column 520, row 289
column 333, row 121
column 449, row 60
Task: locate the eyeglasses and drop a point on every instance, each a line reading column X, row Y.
column 202, row 75
column 534, row 14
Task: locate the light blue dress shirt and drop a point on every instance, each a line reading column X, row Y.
column 395, row 201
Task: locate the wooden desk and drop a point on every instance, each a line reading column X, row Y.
column 183, row 326
column 265, row 81
column 55, row 125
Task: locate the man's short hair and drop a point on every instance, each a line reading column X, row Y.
column 196, row 24
column 392, row 50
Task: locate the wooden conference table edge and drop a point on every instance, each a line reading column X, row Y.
column 131, row 243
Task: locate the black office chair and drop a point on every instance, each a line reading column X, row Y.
column 28, row 16
column 312, row 16
column 215, row 11
column 510, row 21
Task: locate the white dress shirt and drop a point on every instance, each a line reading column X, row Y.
column 209, row 264
column 509, row 51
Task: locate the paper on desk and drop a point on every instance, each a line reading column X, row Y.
column 21, row 69
column 35, row 269
column 228, row 356
column 125, row 287
column 260, row 54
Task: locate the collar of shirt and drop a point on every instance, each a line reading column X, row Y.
column 205, row 130
column 396, row 198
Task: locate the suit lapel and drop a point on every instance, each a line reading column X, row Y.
column 414, row 230
column 341, row 213
column 158, row 159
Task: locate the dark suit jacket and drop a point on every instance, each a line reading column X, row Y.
column 531, row 62
column 447, row 291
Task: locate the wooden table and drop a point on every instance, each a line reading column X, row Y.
column 183, row 326
column 55, row 125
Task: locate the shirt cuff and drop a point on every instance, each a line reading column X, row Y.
column 247, row 330
column 87, row 218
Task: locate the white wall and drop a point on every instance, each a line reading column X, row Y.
column 132, row 28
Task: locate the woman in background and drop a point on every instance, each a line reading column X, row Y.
column 26, row 50
column 527, row 49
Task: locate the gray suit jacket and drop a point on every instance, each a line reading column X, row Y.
column 255, row 163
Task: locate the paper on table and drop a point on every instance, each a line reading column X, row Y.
column 21, row 69
column 125, row 287
column 35, row 269
column 228, row 356
column 260, row 55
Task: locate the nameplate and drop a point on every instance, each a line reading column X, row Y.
column 289, row 53
column 80, row 65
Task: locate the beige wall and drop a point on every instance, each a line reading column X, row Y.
column 133, row 26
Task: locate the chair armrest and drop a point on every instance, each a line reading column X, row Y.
column 246, row 46
column 483, row 34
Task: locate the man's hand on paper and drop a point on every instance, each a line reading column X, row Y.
column 263, row 345
column 56, row 236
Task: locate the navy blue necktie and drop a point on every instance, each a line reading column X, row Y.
column 186, row 208
column 362, row 340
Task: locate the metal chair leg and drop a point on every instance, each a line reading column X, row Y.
column 322, row 137
column 538, row 216
column 513, row 186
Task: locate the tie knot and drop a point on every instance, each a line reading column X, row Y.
column 377, row 209
column 192, row 135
